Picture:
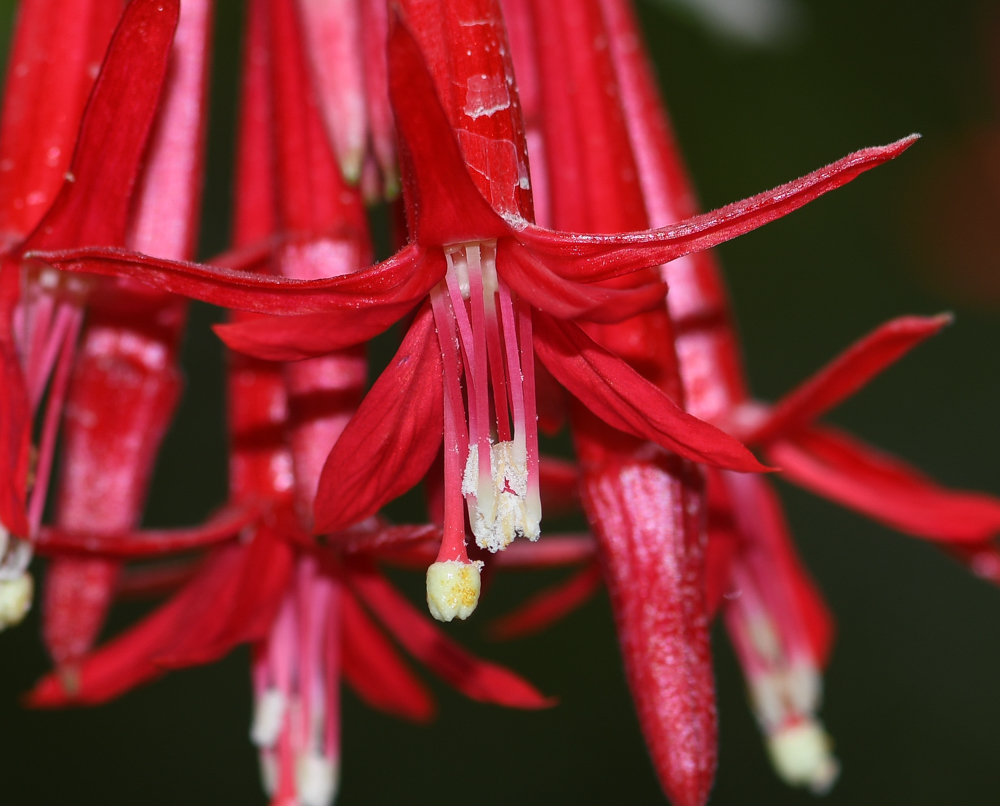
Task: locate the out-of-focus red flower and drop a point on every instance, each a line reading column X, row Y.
column 51, row 200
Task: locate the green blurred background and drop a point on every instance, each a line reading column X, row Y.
column 911, row 699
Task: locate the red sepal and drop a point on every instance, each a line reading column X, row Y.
column 838, row 467
column 93, row 205
column 548, row 607
column 292, row 338
column 226, row 525
column 846, row 374
column 588, row 258
column 625, row 400
column 546, row 291
column 401, row 278
column 392, row 439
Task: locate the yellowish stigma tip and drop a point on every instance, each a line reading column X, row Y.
column 802, row 756
column 15, row 599
column 453, row 589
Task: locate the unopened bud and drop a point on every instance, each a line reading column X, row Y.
column 453, row 589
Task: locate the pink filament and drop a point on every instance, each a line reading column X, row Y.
column 70, row 329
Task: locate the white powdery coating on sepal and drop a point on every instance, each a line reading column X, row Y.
column 269, row 714
column 453, row 589
column 317, row 779
column 15, row 599
column 801, row 754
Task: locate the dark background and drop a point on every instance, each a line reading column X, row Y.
column 911, row 699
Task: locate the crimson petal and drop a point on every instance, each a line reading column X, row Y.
column 843, row 469
column 546, row 291
column 392, row 439
column 625, row 400
column 374, row 669
column 588, row 258
column 475, row 678
column 846, row 374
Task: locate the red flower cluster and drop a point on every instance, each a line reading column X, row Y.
column 517, row 284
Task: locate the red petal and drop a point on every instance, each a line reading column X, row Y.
column 548, row 607
column 846, row 374
column 392, row 439
column 546, row 291
column 444, row 202
column 843, row 469
column 625, row 400
column 93, row 205
column 475, row 678
column 242, row 607
column 225, row 525
column 374, row 669
column 404, row 276
column 588, row 258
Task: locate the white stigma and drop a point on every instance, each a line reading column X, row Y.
column 506, row 513
column 801, row 754
column 15, row 599
column 453, row 589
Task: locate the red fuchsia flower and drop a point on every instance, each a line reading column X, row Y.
column 54, row 64
column 125, row 382
column 646, row 506
column 468, row 200
column 304, row 607
column 779, row 625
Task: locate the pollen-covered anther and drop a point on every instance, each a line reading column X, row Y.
column 15, row 599
column 268, row 717
column 316, row 778
column 453, row 589
column 502, row 512
column 802, row 756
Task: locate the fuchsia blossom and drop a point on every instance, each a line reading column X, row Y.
column 534, row 282
column 41, row 313
column 304, row 607
column 656, row 388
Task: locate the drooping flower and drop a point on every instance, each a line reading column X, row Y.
column 306, row 607
column 467, row 192
column 45, row 205
column 125, row 382
column 778, row 622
